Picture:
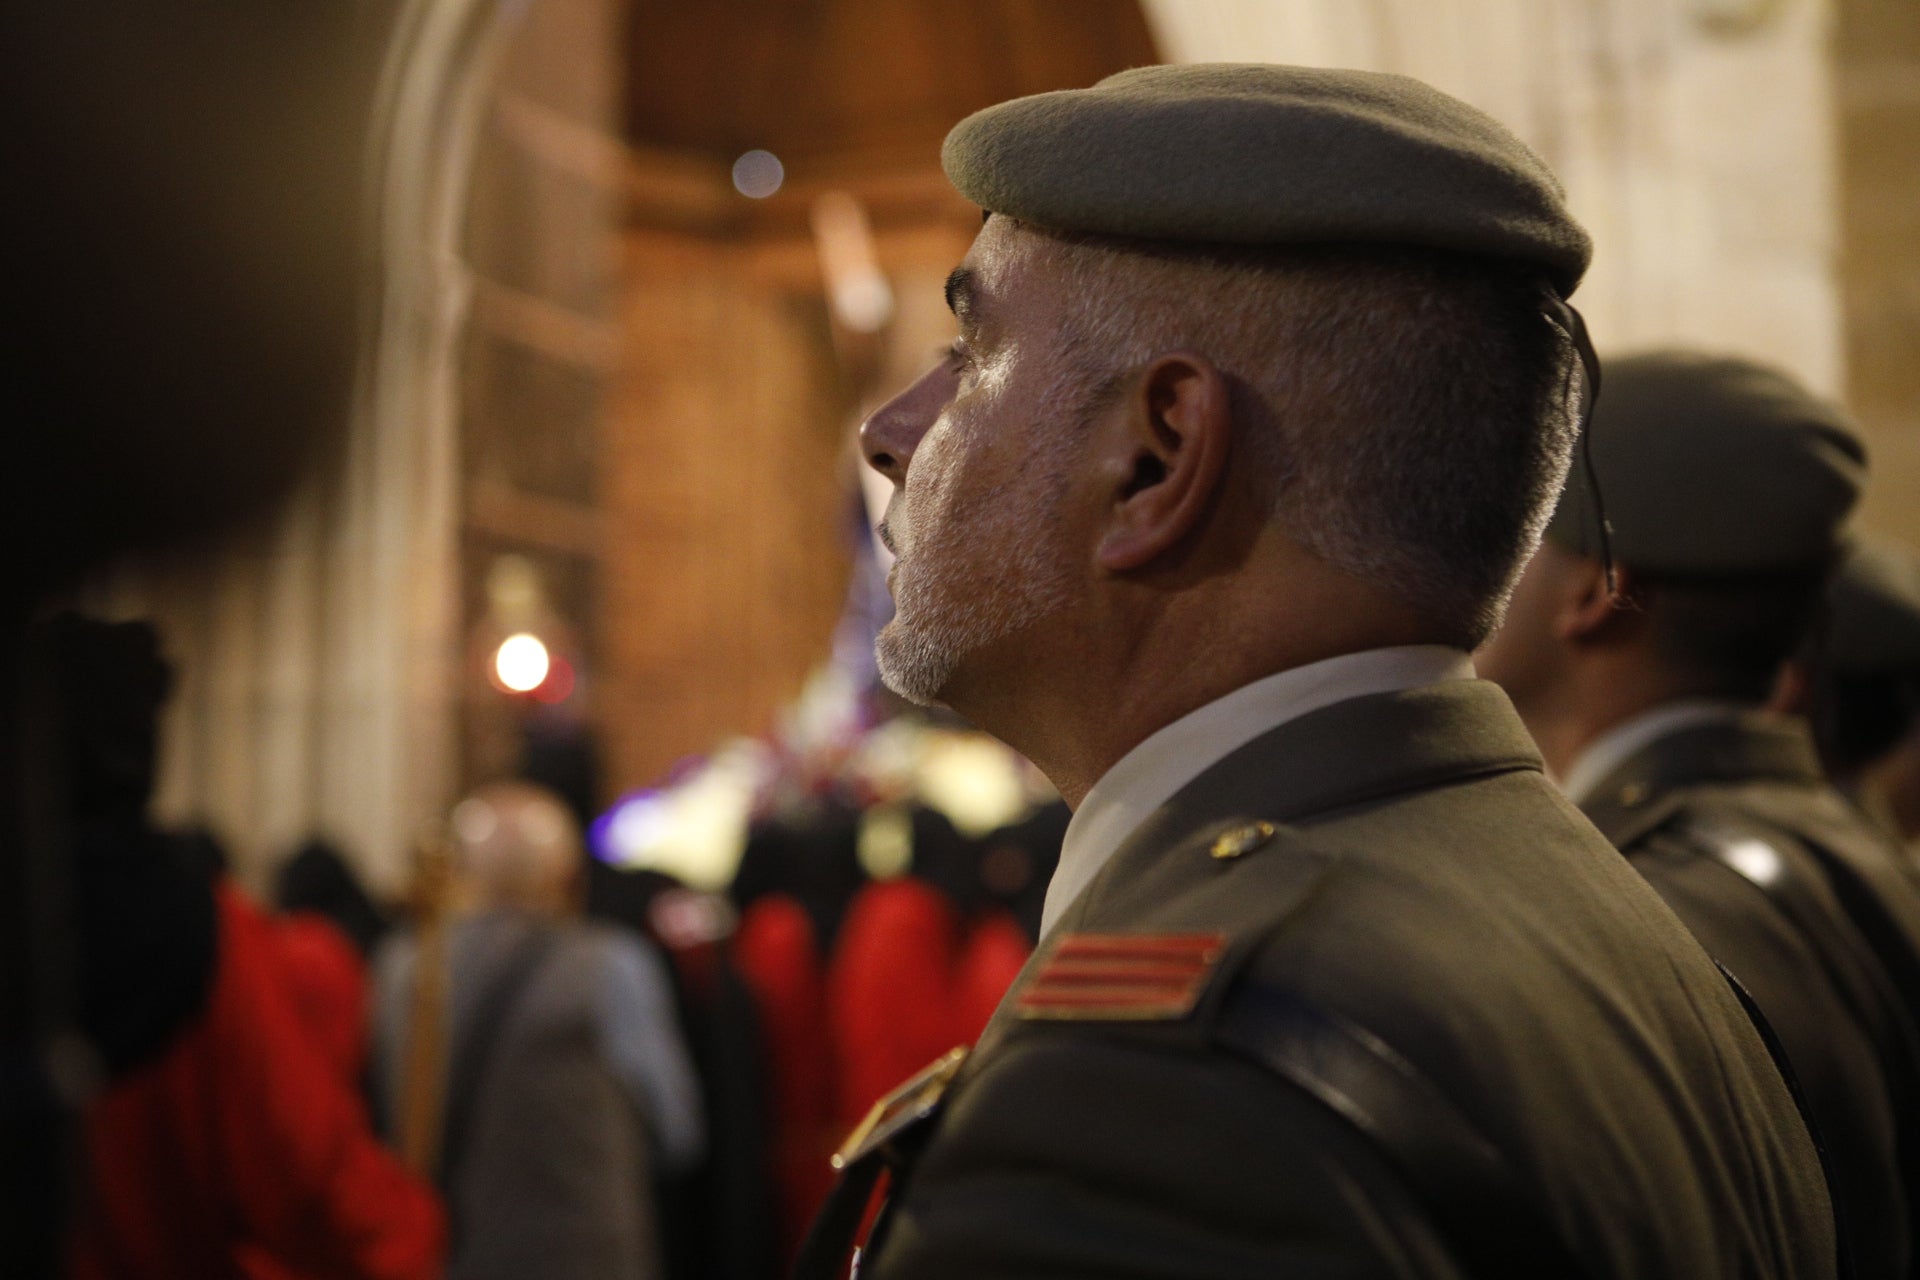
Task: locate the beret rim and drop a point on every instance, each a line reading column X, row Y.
column 1713, row 467
column 1347, row 157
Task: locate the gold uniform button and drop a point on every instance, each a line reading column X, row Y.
column 1633, row 793
column 1242, row 840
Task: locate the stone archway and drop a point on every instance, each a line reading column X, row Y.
column 313, row 644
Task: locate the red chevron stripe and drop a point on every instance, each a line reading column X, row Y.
column 1110, row 970
column 1150, row 976
column 1143, row 945
column 1111, row 995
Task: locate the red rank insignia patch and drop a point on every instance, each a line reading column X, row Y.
column 1122, row 977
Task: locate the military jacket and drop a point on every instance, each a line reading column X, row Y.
column 1398, row 866
column 1810, row 908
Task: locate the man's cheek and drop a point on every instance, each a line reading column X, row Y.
column 930, row 479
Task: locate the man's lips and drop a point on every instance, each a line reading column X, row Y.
column 886, row 538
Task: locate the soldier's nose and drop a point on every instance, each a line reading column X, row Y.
column 893, row 431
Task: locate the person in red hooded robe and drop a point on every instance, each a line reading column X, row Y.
column 226, row 1143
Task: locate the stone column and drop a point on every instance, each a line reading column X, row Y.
column 1877, row 51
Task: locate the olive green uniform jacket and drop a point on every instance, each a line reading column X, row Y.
column 1423, row 884
column 1812, row 910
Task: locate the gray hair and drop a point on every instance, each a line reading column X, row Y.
column 1407, row 411
column 516, row 845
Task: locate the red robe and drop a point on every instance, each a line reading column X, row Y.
column 778, row 958
column 906, row 985
column 240, row 1150
column 909, row 981
column 328, row 983
column 992, row 957
column 890, row 989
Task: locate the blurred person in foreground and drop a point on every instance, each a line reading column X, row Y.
column 568, row 1086
column 204, row 165
column 229, row 1142
column 1727, row 487
column 1863, row 688
column 1265, row 384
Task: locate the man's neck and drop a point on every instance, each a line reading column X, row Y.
column 1074, row 734
column 1590, row 700
column 1120, row 680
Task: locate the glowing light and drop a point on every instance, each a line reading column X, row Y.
column 521, row 662
column 696, row 828
column 973, row 780
column 758, row 174
column 627, row 835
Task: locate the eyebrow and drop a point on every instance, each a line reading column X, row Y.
column 962, row 297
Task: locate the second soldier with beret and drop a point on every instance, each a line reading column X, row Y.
column 1265, row 381
column 1726, row 487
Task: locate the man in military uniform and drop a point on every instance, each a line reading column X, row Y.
column 1725, row 486
column 1264, row 383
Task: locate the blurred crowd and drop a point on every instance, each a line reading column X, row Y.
column 539, row 1063
column 545, row 1064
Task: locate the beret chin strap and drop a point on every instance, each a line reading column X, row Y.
column 1563, row 316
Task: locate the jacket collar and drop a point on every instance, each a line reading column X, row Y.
column 1752, row 748
column 1355, row 752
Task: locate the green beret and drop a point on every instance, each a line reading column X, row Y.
column 1875, row 611
column 1250, row 154
column 1711, row 466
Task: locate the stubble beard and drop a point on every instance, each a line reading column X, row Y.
column 966, row 587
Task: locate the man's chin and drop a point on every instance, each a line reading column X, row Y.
column 911, row 666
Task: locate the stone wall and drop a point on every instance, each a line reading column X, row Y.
column 1750, row 169
column 321, row 651
column 1877, row 73
column 1693, row 137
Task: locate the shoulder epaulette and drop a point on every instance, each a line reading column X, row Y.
column 1477, row 1200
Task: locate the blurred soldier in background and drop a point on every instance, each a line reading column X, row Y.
column 1727, row 486
column 568, row 1086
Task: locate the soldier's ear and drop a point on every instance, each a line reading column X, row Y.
column 1590, row 607
column 1166, row 444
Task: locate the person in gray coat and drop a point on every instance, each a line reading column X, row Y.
column 568, row 1085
